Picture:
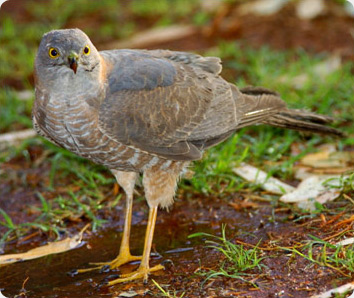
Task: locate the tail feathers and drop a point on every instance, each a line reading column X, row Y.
column 307, row 116
column 303, row 121
column 260, row 105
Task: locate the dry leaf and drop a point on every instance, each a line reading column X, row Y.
column 326, row 159
column 153, row 36
column 310, row 9
column 349, row 7
column 262, row 7
column 25, row 95
column 320, row 70
column 331, row 293
column 244, row 205
column 312, row 190
column 15, row 138
column 255, row 175
column 344, row 242
column 210, row 5
column 130, row 293
column 48, row 249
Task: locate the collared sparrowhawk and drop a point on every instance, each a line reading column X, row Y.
column 149, row 112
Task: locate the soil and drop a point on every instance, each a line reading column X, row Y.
column 282, row 274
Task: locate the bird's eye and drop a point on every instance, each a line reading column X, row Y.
column 53, row 53
column 87, row 50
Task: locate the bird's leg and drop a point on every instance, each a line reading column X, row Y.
column 144, row 268
column 127, row 181
column 159, row 190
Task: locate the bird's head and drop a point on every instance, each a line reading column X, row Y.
column 66, row 52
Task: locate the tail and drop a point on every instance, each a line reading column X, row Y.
column 260, row 105
column 303, row 121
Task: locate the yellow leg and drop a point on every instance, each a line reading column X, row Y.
column 124, row 255
column 127, row 181
column 144, row 269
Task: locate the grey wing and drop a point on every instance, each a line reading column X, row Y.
column 221, row 117
column 208, row 64
column 154, row 104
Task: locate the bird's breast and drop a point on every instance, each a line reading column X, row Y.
column 76, row 128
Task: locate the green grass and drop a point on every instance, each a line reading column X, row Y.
column 15, row 114
column 320, row 252
column 166, row 293
column 265, row 147
column 346, row 183
column 238, row 261
column 17, row 230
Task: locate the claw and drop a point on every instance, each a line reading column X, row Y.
column 140, row 273
column 105, row 269
column 72, row 273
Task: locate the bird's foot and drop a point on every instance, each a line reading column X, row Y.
column 120, row 260
column 141, row 272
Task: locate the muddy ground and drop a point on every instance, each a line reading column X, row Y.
column 282, row 275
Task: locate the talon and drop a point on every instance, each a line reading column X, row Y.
column 73, row 272
column 105, row 269
column 103, row 284
column 156, row 255
column 112, row 276
column 141, row 273
column 168, row 263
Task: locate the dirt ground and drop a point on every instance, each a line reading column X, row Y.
column 283, row 275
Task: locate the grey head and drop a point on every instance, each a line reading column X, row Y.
column 66, row 56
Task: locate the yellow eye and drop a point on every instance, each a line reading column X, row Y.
column 53, row 53
column 87, row 50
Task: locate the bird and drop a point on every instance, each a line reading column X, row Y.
column 146, row 112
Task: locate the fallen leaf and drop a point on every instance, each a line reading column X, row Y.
column 312, row 190
column 243, row 205
column 320, row 70
column 25, row 95
column 48, row 249
column 262, row 7
column 349, row 7
column 257, row 176
column 310, row 9
column 15, row 138
column 210, row 5
column 1, row 3
column 326, row 159
column 130, row 293
column 153, row 36
column 345, row 242
column 331, row 293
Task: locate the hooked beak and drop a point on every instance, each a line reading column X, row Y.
column 73, row 61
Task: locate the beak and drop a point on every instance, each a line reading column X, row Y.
column 73, row 61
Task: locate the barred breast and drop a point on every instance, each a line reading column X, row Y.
column 75, row 128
